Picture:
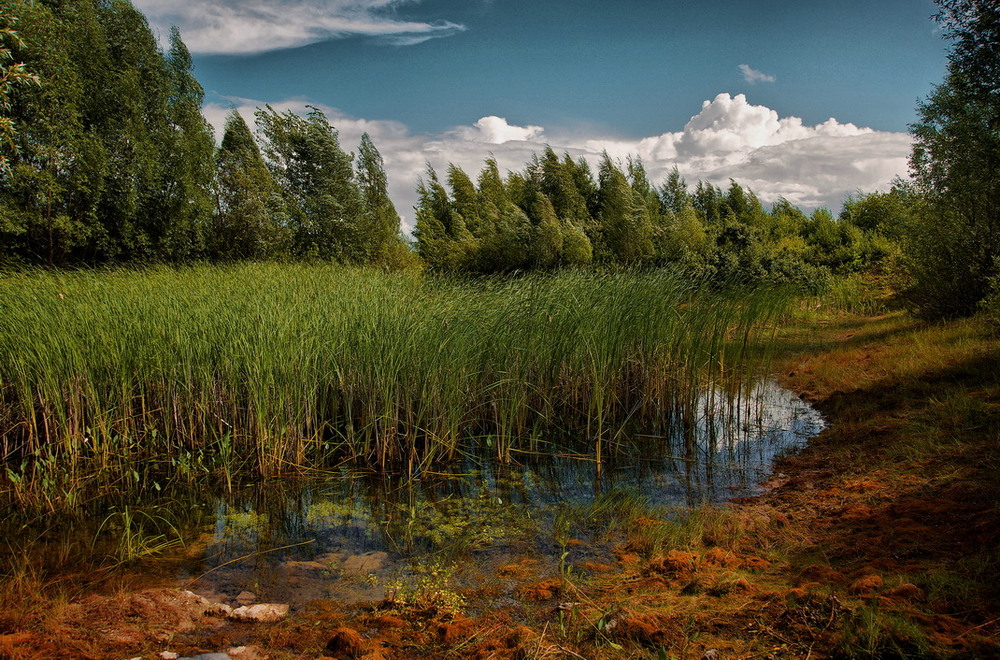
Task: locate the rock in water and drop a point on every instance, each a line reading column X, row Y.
column 369, row 562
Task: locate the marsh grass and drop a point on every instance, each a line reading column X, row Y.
column 124, row 380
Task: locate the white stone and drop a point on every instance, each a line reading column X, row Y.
column 260, row 613
column 246, row 653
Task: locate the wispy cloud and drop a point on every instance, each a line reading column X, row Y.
column 751, row 75
column 811, row 166
column 440, row 31
column 254, row 26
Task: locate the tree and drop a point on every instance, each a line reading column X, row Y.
column 317, row 178
column 466, row 198
column 442, row 239
column 186, row 151
column 250, row 219
column 379, row 220
column 674, row 194
column 956, row 163
column 547, row 242
column 560, row 187
column 11, row 75
column 624, row 217
column 55, row 170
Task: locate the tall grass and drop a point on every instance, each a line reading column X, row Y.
column 119, row 378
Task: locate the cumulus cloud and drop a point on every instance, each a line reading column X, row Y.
column 496, row 130
column 254, row 26
column 751, row 75
column 811, row 166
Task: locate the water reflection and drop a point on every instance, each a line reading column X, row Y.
column 347, row 535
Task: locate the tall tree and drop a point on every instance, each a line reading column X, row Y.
column 956, row 161
column 47, row 212
column 187, row 150
column 627, row 232
column 250, row 219
column 12, row 74
column 547, row 240
column 379, row 220
column 674, row 193
column 317, row 177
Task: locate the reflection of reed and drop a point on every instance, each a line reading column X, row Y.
column 726, row 453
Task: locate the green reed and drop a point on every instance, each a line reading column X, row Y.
column 122, row 378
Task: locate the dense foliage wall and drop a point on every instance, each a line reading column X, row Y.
column 954, row 249
column 110, row 159
column 556, row 212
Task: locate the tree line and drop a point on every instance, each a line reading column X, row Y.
column 109, row 158
column 556, row 212
column 105, row 157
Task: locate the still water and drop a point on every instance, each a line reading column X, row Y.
column 355, row 537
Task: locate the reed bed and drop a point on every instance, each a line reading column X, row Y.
column 122, row 379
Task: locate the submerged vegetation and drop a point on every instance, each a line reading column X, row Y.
column 128, row 378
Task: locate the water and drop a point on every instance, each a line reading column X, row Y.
column 354, row 537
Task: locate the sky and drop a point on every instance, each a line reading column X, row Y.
column 803, row 99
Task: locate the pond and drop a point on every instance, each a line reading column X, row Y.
column 354, row 537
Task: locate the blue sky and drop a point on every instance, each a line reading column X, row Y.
column 583, row 75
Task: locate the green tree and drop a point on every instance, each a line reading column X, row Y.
column 442, row 238
column 56, row 169
column 687, row 243
column 547, row 241
column 674, row 194
column 186, row 150
column 12, row 74
column 559, row 186
column 466, row 198
column 379, row 221
column 317, row 177
column 626, row 229
column 956, row 163
column 250, row 220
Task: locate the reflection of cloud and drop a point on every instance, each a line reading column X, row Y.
column 753, row 76
column 811, row 166
column 254, row 26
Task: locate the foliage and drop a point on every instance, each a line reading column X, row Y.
column 113, row 161
column 956, row 163
column 11, row 75
column 554, row 214
column 251, row 221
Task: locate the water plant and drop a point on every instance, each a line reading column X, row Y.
column 123, row 379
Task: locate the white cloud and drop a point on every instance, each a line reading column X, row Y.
column 811, row 166
column 751, row 75
column 496, row 130
column 254, row 26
